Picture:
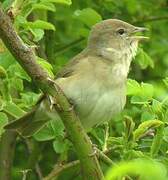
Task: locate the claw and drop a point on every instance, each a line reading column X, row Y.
column 52, row 102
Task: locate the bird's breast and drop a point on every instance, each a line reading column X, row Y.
column 95, row 100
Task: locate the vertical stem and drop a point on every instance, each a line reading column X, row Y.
column 157, row 141
column 7, row 149
column 106, row 137
column 50, row 39
column 34, row 153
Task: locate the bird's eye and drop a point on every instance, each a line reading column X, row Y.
column 121, row 31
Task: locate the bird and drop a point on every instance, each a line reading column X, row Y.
column 94, row 81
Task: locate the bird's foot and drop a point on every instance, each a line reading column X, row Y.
column 53, row 103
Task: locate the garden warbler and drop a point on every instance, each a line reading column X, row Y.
column 94, row 80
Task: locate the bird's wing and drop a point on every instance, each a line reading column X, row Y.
column 70, row 67
column 29, row 124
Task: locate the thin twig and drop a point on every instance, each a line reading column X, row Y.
column 63, row 49
column 105, row 158
column 34, row 153
column 38, row 171
column 58, row 168
column 106, row 136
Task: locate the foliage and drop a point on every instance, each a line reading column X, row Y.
column 136, row 167
column 57, row 30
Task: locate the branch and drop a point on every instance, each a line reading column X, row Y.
column 104, row 158
column 34, row 153
column 7, row 149
column 27, row 59
column 39, row 172
column 58, row 168
column 50, row 37
column 15, row 8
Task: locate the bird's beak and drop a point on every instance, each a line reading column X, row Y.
column 140, row 29
column 139, row 37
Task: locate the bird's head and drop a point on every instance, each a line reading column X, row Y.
column 111, row 37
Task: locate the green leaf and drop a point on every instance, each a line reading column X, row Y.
column 46, row 133
column 29, row 98
column 58, row 127
column 6, row 4
column 144, row 126
column 154, row 170
column 166, row 81
column 156, row 106
column 157, row 141
column 133, row 87
column 16, row 69
column 20, row 21
column 88, row 16
column 51, row 130
column 129, row 127
column 3, row 73
column 13, row 109
column 66, row 2
column 147, row 116
column 143, row 59
column 84, row 32
column 39, row 24
column 44, row 6
column 60, row 145
column 4, row 90
column 139, row 100
column 150, row 124
column 147, row 90
column 99, row 135
column 3, row 122
column 6, row 60
column 46, row 65
column 132, row 154
column 38, row 34
column 16, row 83
column 115, row 140
column 164, row 103
column 141, row 92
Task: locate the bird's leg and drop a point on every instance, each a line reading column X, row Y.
column 54, row 102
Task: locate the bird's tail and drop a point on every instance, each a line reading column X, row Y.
column 34, row 120
column 28, row 124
